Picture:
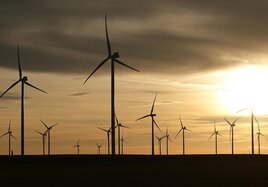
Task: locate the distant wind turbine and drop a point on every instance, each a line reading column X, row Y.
column 183, row 128
column 252, row 128
column 159, row 143
column 77, row 146
column 216, row 134
column 9, row 133
column 24, row 81
column 122, row 144
column 259, row 134
column 167, row 140
column 43, row 140
column 114, row 59
column 108, row 132
column 99, row 148
column 232, row 131
column 119, row 125
column 49, row 128
column 152, row 115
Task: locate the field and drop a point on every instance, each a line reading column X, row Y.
column 134, row 170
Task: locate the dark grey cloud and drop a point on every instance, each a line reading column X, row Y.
column 80, row 94
column 12, row 96
column 154, row 36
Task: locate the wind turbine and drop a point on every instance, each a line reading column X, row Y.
column 108, row 132
column 122, row 144
column 152, row 115
column 167, row 139
column 77, row 146
column 9, row 133
column 159, row 142
column 24, row 81
column 43, row 140
column 252, row 128
column 183, row 128
column 49, row 128
column 99, row 148
column 113, row 57
column 232, row 131
column 119, row 125
column 216, row 133
column 259, row 134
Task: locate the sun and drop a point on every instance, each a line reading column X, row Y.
column 246, row 87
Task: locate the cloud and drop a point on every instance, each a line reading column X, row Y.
column 79, row 94
column 12, row 96
column 165, row 37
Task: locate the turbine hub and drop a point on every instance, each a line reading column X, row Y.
column 25, row 78
column 116, row 55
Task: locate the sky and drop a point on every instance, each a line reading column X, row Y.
column 205, row 59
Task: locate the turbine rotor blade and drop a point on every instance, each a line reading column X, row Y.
column 125, row 126
column 178, row 132
column 4, row 134
column 181, row 122
column 27, row 83
column 39, row 132
column 97, row 68
column 123, row 64
column 152, row 110
column 9, row 125
column 187, row 129
column 146, row 116
column 54, row 125
column 117, row 122
column 18, row 54
column 13, row 136
column 156, row 125
column 227, row 121
column 10, row 87
column 107, row 37
column 44, row 124
column 235, row 120
column 102, row 129
column 211, row 135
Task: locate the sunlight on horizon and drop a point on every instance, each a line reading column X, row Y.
column 245, row 87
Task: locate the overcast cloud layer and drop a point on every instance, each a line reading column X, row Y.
column 154, row 36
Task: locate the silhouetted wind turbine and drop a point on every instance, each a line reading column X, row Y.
column 152, row 115
column 232, row 131
column 108, row 132
column 49, row 128
column 24, row 81
column 159, row 143
column 43, row 140
column 252, row 128
column 216, row 133
column 183, row 128
column 77, row 146
column 259, row 134
column 122, row 144
column 119, row 125
column 114, row 58
column 9, row 133
column 167, row 139
column 99, row 148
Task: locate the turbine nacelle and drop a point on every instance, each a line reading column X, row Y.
column 25, row 78
column 153, row 115
column 116, row 55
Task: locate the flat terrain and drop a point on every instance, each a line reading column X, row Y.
column 134, row 170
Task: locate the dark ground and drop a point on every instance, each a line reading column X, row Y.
column 134, row 170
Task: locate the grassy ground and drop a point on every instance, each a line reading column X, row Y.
column 134, row 170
